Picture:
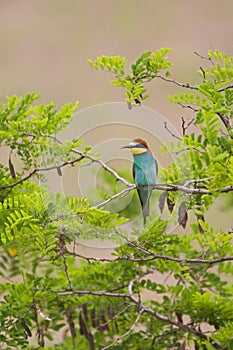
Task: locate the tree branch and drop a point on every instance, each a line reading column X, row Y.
column 119, row 338
column 39, row 170
column 188, row 107
column 93, row 160
column 130, row 186
column 141, row 308
column 204, row 58
column 225, row 88
column 125, row 191
column 171, row 133
column 170, row 187
column 153, row 256
column 223, row 119
column 185, row 125
column 88, row 292
column 157, row 315
column 169, row 80
column 59, row 166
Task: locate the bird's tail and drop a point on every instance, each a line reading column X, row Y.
column 144, row 195
column 145, row 211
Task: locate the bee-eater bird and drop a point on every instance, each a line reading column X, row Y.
column 145, row 169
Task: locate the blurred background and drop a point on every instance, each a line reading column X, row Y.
column 46, row 44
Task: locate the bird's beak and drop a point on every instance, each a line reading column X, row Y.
column 127, row 146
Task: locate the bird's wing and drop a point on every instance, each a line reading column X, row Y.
column 141, row 195
column 133, row 172
column 156, row 165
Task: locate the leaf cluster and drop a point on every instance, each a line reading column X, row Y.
column 144, row 70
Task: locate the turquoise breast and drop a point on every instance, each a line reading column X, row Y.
column 144, row 169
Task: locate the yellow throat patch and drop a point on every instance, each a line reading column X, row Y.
column 138, row 150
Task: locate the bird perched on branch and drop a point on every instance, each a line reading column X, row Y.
column 145, row 169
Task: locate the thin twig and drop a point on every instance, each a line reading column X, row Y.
column 225, row 88
column 40, row 170
column 67, row 272
column 187, row 85
column 188, row 107
column 195, row 181
column 125, row 191
column 203, row 57
column 171, row 133
column 152, row 257
column 89, row 292
column 116, row 315
column 119, row 338
column 223, row 119
column 94, row 160
column 185, row 126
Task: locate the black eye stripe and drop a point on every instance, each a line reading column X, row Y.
column 139, row 145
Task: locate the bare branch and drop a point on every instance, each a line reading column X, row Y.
column 63, row 164
column 160, row 317
column 142, row 308
column 204, row 58
column 188, row 149
column 170, row 187
column 125, row 192
column 180, row 325
column 152, row 256
column 188, row 107
column 223, row 119
column 104, row 166
column 93, row 160
column 66, row 271
column 171, row 133
column 187, row 85
column 195, row 181
column 40, row 170
column 88, row 292
column 225, row 88
column 185, row 125
column 203, row 72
